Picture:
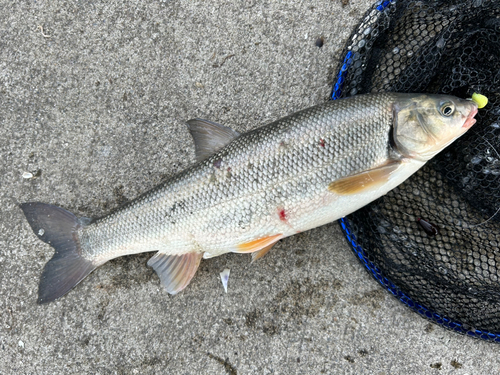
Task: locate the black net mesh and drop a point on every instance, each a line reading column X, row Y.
column 434, row 241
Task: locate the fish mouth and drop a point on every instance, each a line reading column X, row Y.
column 470, row 119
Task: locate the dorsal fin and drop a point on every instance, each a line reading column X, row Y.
column 209, row 137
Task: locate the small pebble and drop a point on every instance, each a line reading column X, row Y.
column 27, row 175
column 429, row 228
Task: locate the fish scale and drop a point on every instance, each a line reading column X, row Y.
column 248, row 191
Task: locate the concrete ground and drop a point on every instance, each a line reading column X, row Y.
column 93, row 99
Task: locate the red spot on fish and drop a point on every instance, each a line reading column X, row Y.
column 322, row 142
column 217, row 163
column 282, row 214
column 429, row 228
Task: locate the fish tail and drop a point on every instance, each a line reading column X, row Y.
column 58, row 228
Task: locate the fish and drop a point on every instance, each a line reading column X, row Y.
column 248, row 191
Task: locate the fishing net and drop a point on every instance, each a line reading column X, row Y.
column 434, row 241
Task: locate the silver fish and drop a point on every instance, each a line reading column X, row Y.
column 249, row 191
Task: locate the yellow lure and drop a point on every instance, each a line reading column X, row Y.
column 480, row 100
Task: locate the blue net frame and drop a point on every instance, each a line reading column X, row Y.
column 384, row 6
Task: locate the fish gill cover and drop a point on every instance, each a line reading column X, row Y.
column 434, row 241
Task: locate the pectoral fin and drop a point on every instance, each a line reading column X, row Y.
column 175, row 271
column 364, row 181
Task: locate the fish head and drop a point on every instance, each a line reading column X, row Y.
column 426, row 124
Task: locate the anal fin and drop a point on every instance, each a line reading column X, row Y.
column 175, row 271
column 365, row 180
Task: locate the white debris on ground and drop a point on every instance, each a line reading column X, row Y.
column 224, row 276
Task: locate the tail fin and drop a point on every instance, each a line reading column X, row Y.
column 58, row 228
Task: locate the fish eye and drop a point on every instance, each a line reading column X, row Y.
column 447, row 109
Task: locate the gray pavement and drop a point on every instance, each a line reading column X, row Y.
column 93, row 106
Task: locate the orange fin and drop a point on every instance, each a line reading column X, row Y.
column 256, row 245
column 366, row 180
column 260, row 253
column 175, row 271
